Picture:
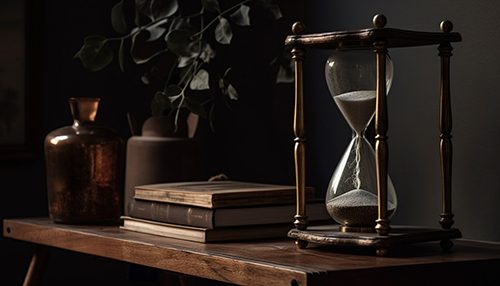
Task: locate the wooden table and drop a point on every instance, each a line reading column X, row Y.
column 267, row 262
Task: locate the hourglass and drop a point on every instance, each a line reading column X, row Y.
column 351, row 198
column 361, row 198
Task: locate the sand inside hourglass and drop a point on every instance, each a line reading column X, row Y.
column 356, row 207
column 357, row 108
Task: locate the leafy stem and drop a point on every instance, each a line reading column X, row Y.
column 216, row 18
column 138, row 29
column 170, row 73
column 195, row 14
column 169, row 31
column 182, row 93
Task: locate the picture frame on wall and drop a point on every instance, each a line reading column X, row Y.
column 19, row 111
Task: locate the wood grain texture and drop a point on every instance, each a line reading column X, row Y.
column 366, row 37
column 217, row 194
column 381, row 145
column 299, row 132
column 445, row 143
column 399, row 235
column 262, row 262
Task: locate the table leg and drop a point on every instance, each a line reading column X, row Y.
column 173, row 279
column 35, row 271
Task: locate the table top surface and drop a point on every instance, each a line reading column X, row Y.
column 256, row 262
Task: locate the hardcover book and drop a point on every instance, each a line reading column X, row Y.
column 217, row 194
column 199, row 234
column 222, row 217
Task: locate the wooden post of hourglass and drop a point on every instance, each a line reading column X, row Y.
column 381, row 126
column 298, row 128
column 445, row 125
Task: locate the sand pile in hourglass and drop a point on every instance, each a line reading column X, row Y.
column 357, row 207
column 357, row 108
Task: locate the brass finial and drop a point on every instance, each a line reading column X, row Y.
column 446, row 26
column 297, row 28
column 379, row 21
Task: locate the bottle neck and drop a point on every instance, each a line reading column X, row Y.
column 83, row 110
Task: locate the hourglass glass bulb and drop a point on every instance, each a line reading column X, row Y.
column 352, row 194
column 351, row 77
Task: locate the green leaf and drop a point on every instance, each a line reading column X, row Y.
column 227, row 71
column 223, row 33
column 207, row 54
column 142, row 6
column 180, row 43
column 160, row 104
column 200, row 80
column 95, row 53
column 180, row 24
column 276, row 11
column 286, row 71
column 166, row 100
column 142, row 50
column 241, row 16
column 222, row 84
column 141, row 20
column 173, row 90
column 231, row 92
column 286, row 74
column 164, row 8
column 121, row 56
column 157, row 30
column 118, row 18
column 155, row 9
column 226, row 87
column 271, row 6
column 185, row 61
column 211, row 5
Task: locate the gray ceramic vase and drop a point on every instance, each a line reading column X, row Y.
column 159, row 155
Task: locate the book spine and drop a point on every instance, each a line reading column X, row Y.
column 171, row 213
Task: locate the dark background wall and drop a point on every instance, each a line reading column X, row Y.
column 256, row 143
column 59, row 27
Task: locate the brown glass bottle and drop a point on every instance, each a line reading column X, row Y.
column 84, row 164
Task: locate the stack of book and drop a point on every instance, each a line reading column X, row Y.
column 211, row 211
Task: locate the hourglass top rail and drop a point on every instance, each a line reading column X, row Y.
column 364, row 38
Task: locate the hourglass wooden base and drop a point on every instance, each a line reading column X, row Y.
column 399, row 235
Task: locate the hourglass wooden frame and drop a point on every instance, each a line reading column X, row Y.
column 380, row 39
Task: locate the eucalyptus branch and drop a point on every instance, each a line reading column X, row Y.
column 154, row 55
column 187, row 73
column 191, row 57
column 202, row 22
column 170, row 73
column 195, row 14
column 220, row 14
column 177, row 112
column 183, row 97
column 118, row 38
column 139, row 29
